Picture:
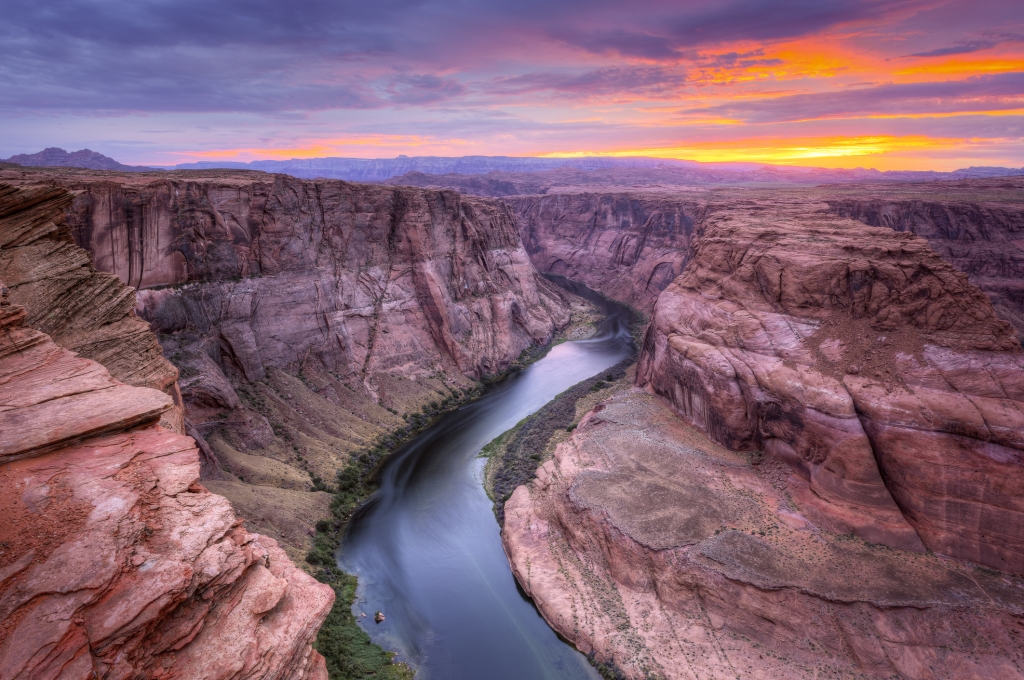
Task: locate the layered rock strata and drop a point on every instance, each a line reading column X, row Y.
column 628, row 246
column 827, row 446
column 114, row 561
column 666, row 555
column 863, row 360
column 977, row 225
column 88, row 312
column 362, row 278
column 308, row 317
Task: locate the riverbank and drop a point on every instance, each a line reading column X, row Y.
column 348, row 649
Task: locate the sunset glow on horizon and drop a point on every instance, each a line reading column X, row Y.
column 907, row 84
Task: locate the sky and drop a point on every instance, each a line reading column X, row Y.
column 893, row 84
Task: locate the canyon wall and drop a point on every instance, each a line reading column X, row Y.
column 977, row 226
column 856, row 354
column 826, row 448
column 309, row 319
column 627, row 246
column 664, row 554
column 362, row 279
column 115, row 561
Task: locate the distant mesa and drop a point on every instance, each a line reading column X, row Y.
column 521, row 174
column 54, row 157
column 499, row 176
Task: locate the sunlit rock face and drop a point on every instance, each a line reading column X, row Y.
column 114, row 561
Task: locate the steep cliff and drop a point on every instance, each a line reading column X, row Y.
column 309, row 317
column 834, row 399
column 316, row 269
column 856, row 355
column 976, row 225
column 627, row 246
column 114, row 561
column 664, row 554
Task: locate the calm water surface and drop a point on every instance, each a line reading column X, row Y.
column 427, row 547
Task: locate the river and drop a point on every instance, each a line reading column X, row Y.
column 427, row 548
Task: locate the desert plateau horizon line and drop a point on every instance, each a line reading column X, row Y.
column 380, row 169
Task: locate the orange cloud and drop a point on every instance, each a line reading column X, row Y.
column 784, row 151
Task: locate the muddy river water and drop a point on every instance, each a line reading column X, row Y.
column 427, row 547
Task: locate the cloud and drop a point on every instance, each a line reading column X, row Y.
column 691, row 25
column 962, row 48
column 635, row 80
column 977, row 94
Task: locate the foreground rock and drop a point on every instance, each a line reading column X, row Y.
column 863, row 360
column 114, row 561
column 666, row 554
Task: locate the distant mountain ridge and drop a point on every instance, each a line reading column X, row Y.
column 415, row 167
column 54, row 157
column 380, row 169
column 384, row 169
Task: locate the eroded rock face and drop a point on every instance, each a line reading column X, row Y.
column 114, row 561
column 976, row 225
column 862, row 359
column 88, row 312
column 627, row 246
column 670, row 556
column 362, row 279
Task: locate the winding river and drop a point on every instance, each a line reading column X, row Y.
column 427, row 547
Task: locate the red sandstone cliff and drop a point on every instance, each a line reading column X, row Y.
column 858, row 392
column 361, row 278
column 628, row 246
column 114, row 561
column 670, row 556
column 309, row 317
column 976, row 225
column 856, row 355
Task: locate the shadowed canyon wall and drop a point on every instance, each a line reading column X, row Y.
column 114, row 561
column 627, row 246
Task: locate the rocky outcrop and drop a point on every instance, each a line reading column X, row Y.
column 976, row 225
column 114, row 561
column 863, row 360
column 667, row 555
column 627, row 246
column 88, row 312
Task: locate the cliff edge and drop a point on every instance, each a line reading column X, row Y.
column 115, row 561
column 820, row 477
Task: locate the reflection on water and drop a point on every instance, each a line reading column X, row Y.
column 427, row 548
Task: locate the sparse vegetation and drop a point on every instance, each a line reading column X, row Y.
column 349, row 652
column 525, row 444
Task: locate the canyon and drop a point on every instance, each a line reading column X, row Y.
column 825, row 439
column 309, row 319
column 812, row 470
column 115, row 561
